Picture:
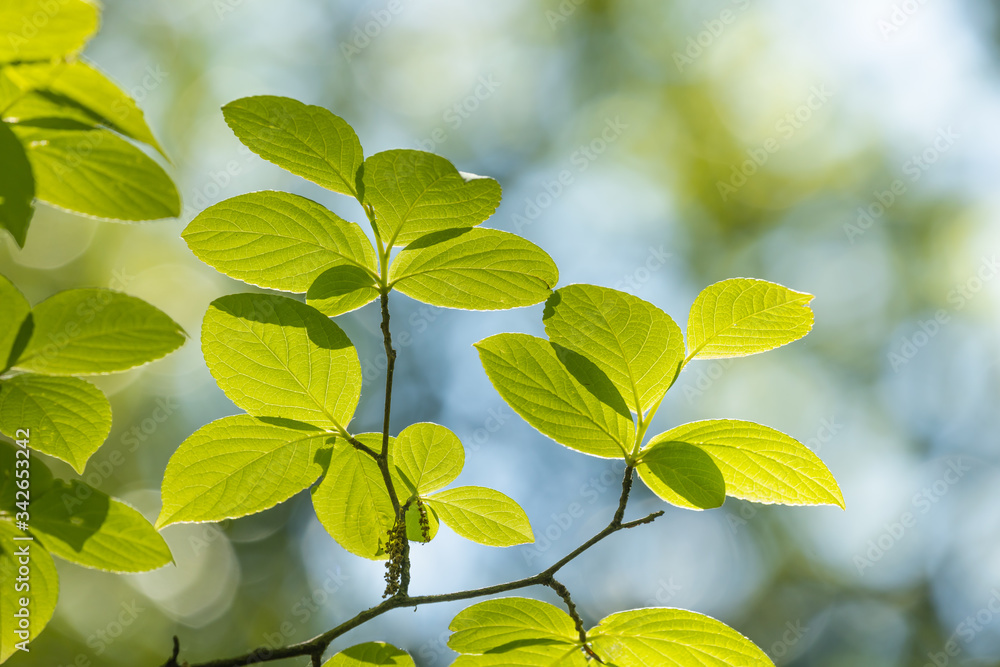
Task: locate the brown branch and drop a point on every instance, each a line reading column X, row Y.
column 319, row 644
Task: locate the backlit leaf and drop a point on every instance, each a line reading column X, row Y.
column 428, row 456
column 584, row 414
column 371, row 653
column 44, row 587
column 742, row 316
column 69, row 418
column 92, row 331
column 474, row 269
column 240, row 465
column 17, row 187
column 43, row 29
column 684, row 475
column 14, row 309
column 482, row 515
column 504, row 624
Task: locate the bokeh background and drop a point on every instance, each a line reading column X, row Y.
column 847, row 148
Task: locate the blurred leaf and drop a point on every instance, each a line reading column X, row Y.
column 276, row 357
column 307, row 140
column 352, row 502
column 742, row 316
column 94, row 331
column 428, row 456
column 45, row 29
column 42, row 596
column 14, row 309
column 80, row 524
column 482, row 515
column 758, row 463
column 415, row 193
column 17, row 187
column 371, row 653
column 660, row 636
column 507, row 625
column 41, row 476
column 474, row 269
column 278, row 240
column 530, row 376
column 97, row 173
column 69, row 418
column 635, row 343
column 45, row 106
column 239, row 465
column 683, row 475
column 92, row 89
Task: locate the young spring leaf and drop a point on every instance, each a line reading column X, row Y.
column 240, row 465
column 276, row 357
column 579, row 409
column 371, row 654
column 44, row 107
column 307, row 140
column 352, row 502
column 482, row 515
column 342, row 289
column 14, row 309
column 635, row 343
column 531, row 655
column 660, row 636
column 93, row 331
column 278, row 240
column 683, row 475
column 758, row 463
column 474, row 269
column 505, row 626
column 95, row 172
column 17, row 187
column 90, row 88
column 66, row 27
column 427, row 456
column 742, row 316
column 80, row 524
column 69, row 418
column 44, row 588
column 415, row 193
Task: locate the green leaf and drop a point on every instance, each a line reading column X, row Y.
column 428, row 456
column 41, row 107
column 93, row 331
column 276, row 357
column 10, row 462
column 94, row 91
column 742, row 316
column 414, row 531
column 504, row 625
column 14, row 309
column 635, row 343
column 97, row 173
column 342, row 289
column 587, row 415
column 17, row 187
column 758, row 463
column 42, row 596
column 555, row 655
column 69, row 418
column 307, row 140
column 240, row 465
column 278, row 240
column 474, row 269
column 683, row 475
column 80, row 524
column 352, row 502
column 371, row 653
column 415, row 193
column 482, row 515
column 42, row 29
column 660, row 636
